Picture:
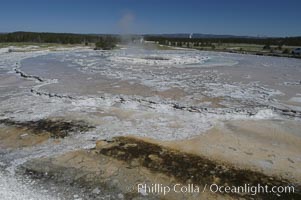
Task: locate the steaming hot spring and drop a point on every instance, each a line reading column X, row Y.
column 154, row 57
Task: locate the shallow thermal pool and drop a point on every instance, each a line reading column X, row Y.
column 163, row 94
column 166, row 95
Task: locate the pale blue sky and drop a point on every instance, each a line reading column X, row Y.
column 237, row 17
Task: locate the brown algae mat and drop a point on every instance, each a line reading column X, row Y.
column 189, row 168
column 130, row 153
column 57, row 128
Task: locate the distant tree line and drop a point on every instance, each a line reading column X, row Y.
column 289, row 41
column 109, row 41
column 61, row 38
column 106, row 43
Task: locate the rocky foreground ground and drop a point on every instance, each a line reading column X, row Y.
column 114, row 168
